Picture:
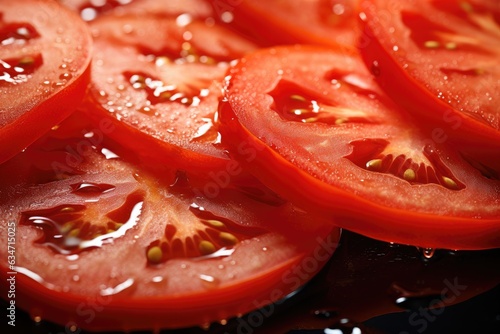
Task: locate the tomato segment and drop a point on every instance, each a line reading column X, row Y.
column 90, row 10
column 440, row 60
column 159, row 81
column 43, row 70
column 326, row 22
column 155, row 254
column 346, row 146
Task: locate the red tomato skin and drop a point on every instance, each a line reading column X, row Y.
column 477, row 141
column 105, row 313
column 41, row 114
column 13, row 137
column 264, row 22
column 396, row 225
column 279, row 263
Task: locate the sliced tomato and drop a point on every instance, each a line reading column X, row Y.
column 102, row 245
column 159, row 80
column 89, row 10
column 328, row 22
column 321, row 133
column 44, row 60
column 440, row 59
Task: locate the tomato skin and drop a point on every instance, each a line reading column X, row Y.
column 279, row 157
column 188, row 62
column 324, row 22
column 56, row 108
column 447, row 115
column 33, row 107
column 67, row 287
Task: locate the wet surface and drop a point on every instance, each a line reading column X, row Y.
column 367, row 287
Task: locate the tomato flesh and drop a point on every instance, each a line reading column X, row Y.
column 327, row 22
column 154, row 253
column 90, row 10
column 346, row 146
column 44, row 70
column 440, row 60
column 159, row 80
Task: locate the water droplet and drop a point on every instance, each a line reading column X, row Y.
column 66, row 231
column 227, row 17
column 157, row 279
column 427, row 253
column 344, row 326
column 209, row 282
column 205, row 326
column 110, row 291
column 108, row 154
column 183, row 20
column 375, row 68
column 414, row 299
column 91, row 188
column 325, row 314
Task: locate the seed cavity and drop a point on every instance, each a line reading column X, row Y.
column 424, row 168
column 159, row 91
column 207, row 235
column 68, row 230
column 293, row 104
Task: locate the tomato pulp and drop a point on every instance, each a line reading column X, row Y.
column 159, row 81
column 44, row 66
column 104, row 245
column 440, row 59
column 317, row 117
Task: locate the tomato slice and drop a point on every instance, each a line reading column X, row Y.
column 159, row 80
column 103, row 245
column 89, row 10
column 328, row 22
column 440, row 59
column 44, row 62
column 322, row 134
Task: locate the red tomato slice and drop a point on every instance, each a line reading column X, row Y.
column 328, row 22
column 159, row 80
column 102, row 245
column 441, row 60
column 323, row 135
column 90, row 10
column 44, row 57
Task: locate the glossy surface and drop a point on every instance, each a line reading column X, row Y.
column 317, row 117
column 152, row 252
column 44, row 70
column 363, row 283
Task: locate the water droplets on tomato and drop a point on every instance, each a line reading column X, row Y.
column 209, row 237
column 293, row 103
column 118, row 289
column 209, row 281
column 67, row 229
column 18, row 70
column 90, row 188
column 16, row 33
column 371, row 154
